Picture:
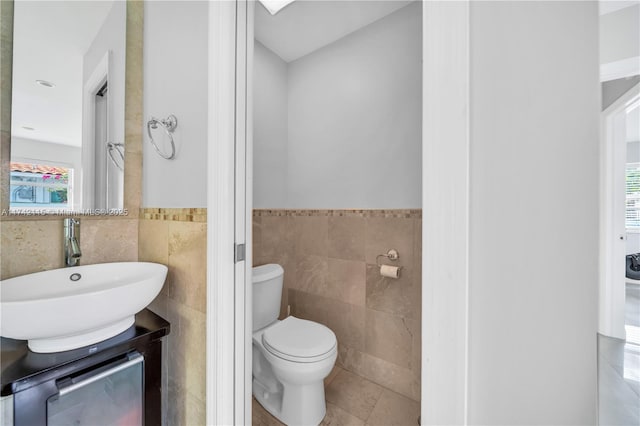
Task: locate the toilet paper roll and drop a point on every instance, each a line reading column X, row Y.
column 390, row 271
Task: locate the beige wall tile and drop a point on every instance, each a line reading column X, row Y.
column 133, row 177
column 393, row 409
column 153, row 240
column 383, row 234
column 348, row 323
column 311, row 234
column 394, row 296
column 388, row 337
column 31, row 246
column 153, row 246
column 190, row 344
column 256, row 232
column 308, row 306
column 353, row 394
column 183, row 408
column 160, row 306
column 277, row 235
column 346, row 237
column 311, row 274
column 187, row 264
column 106, row 240
column 185, row 360
column 34, row 246
column 346, row 281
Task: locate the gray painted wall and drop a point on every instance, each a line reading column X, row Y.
column 533, row 313
column 176, row 82
column 269, row 129
column 354, row 121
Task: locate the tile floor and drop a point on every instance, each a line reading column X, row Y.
column 353, row 400
column 619, row 372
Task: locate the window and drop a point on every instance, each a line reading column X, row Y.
column 40, row 186
column 632, row 217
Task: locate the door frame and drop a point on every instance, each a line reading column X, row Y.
column 612, row 229
column 85, row 192
column 228, row 377
column 445, row 183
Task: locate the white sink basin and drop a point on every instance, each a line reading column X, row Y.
column 68, row 308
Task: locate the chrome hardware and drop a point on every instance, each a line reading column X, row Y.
column 391, row 255
column 239, row 254
column 72, row 252
column 169, row 124
column 119, row 148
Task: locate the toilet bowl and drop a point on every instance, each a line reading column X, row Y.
column 291, row 357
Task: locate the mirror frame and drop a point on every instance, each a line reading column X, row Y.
column 132, row 113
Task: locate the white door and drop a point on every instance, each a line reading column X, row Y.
column 229, row 215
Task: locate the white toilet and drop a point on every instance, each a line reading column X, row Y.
column 291, row 357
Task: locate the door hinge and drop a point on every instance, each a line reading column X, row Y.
column 239, row 253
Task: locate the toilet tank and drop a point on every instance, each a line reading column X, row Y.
column 267, row 294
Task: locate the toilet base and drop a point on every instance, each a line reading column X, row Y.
column 293, row 405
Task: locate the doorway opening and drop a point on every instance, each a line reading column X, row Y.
column 619, row 298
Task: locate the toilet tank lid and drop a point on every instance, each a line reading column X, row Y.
column 266, row 272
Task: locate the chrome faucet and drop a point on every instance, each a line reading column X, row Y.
column 72, row 251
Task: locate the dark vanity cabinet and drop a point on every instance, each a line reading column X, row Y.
column 117, row 381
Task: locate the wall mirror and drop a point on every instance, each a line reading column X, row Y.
column 68, row 101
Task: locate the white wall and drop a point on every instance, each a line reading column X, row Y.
column 111, row 37
column 108, row 189
column 535, row 106
column 175, row 82
column 354, row 121
column 620, row 34
column 28, row 149
column 269, row 129
column 620, row 43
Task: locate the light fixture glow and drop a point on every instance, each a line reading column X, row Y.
column 274, row 6
column 28, row 128
column 45, row 83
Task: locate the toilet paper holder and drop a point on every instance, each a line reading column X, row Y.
column 388, row 270
column 391, row 255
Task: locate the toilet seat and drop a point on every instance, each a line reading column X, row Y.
column 299, row 340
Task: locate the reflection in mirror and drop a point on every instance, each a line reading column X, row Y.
column 67, row 144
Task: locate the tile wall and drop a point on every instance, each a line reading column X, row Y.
column 178, row 238
column 36, row 245
column 329, row 258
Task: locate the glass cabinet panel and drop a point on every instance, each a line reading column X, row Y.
column 111, row 395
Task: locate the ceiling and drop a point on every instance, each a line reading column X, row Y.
column 307, row 25
column 49, row 41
